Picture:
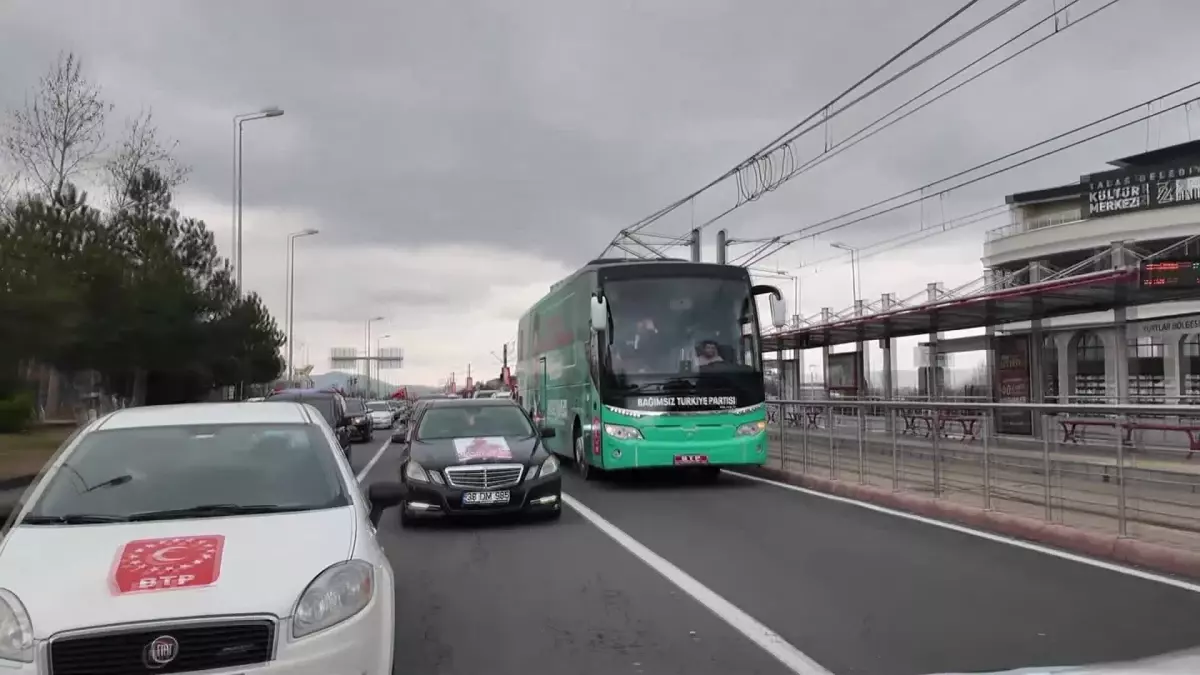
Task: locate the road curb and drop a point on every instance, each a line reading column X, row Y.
column 1157, row 557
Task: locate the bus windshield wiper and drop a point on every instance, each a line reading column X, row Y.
column 74, row 519
column 217, row 510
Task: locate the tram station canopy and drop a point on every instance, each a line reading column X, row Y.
column 1093, row 292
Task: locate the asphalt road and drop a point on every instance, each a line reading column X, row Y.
column 855, row 590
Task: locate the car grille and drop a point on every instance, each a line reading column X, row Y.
column 484, row 476
column 203, row 646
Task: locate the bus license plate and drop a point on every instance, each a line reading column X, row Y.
column 691, row 459
column 482, row 498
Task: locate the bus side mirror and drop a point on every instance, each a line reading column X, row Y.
column 778, row 311
column 599, row 314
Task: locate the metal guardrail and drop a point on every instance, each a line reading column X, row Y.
column 1117, row 484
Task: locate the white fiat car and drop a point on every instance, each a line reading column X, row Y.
column 223, row 538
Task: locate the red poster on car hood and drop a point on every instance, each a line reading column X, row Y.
column 168, row 563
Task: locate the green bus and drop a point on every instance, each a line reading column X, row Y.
column 648, row 363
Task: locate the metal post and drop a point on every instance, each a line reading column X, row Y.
column 891, row 412
column 722, row 245
column 862, row 461
column 291, row 253
column 238, row 206
column 1046, row 488
column 936, row 433
column 1122, row 521
column 804, row 438
column 987, row 463
column 832, row 448
column 696, row 254
column 782, row 449
column 233, row 225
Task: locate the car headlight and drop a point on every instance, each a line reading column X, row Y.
column 337, row 594
column 414, row 471
column 549, row 467
column 622, row 432
column 16, row 629
column 752, row 428
column 359, row 420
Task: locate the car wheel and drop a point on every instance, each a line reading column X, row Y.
column 585, row 469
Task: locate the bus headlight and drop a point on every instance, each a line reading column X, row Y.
column 622, row 432
column 752, row 428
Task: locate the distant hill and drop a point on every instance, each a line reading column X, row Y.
column 338, row 378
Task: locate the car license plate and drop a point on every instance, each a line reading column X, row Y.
column 691, row 459
column 482, row 498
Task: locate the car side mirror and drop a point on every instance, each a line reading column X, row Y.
column 599, row 309
column 547, row 432
column 384, row 496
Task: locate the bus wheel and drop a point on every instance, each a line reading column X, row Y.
column 585, row 469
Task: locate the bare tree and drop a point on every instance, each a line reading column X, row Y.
column 60, row 131
column 141, row 149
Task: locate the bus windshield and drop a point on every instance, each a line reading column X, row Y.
column 682, row 326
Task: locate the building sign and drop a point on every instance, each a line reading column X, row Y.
column 1141, row 189
column 1013, row 382
column 1168, row 328
column 844, row 372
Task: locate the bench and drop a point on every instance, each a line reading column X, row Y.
column 1073, row 427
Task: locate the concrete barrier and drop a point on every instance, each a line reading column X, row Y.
column 1166, row 559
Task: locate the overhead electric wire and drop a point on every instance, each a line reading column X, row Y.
column 857, row 137
column 851, row 140
column 644, row 222
column 782, row 241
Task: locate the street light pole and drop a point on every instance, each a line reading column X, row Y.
column 238, row 121
column 854, row 271
column 290, row 307
column 367, row 384
column 378, row 364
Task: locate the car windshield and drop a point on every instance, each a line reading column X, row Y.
column 379, row 407
column 676, row 326
column 461, row 421
column 128, row 473
column 355, row 406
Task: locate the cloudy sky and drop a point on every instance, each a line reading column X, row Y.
column 459, row 157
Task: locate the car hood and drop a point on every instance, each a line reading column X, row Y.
column 440, row 453
column 382, row 413
column 66, row 574
column 1177, row 663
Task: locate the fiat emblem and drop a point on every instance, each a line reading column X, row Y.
column 161, row 651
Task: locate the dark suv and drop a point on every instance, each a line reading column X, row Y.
column 330, row 404
column 361, row 429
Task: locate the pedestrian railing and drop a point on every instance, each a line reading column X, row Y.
column 988, row 454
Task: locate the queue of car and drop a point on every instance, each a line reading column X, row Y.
column 218, row 536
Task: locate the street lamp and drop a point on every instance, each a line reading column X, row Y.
column 238, row 121
column 854, row 271
column 367, row 384
column 290, row 305
column 378, row 364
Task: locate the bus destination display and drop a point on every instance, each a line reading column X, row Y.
column 1169, row 274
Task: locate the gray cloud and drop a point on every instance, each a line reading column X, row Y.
column 544, row 126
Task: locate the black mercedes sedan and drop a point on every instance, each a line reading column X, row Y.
column 472, row 457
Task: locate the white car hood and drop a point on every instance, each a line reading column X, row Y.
column 64, row 574
column 381, row 414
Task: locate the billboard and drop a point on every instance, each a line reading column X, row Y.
column 1130, row 190
column 343, row 358
column 845, row 373
column 390, row 357
column 1014, row 384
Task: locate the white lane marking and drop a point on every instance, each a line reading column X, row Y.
column 990, row 536
column 764, row 637
column 382, row 449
